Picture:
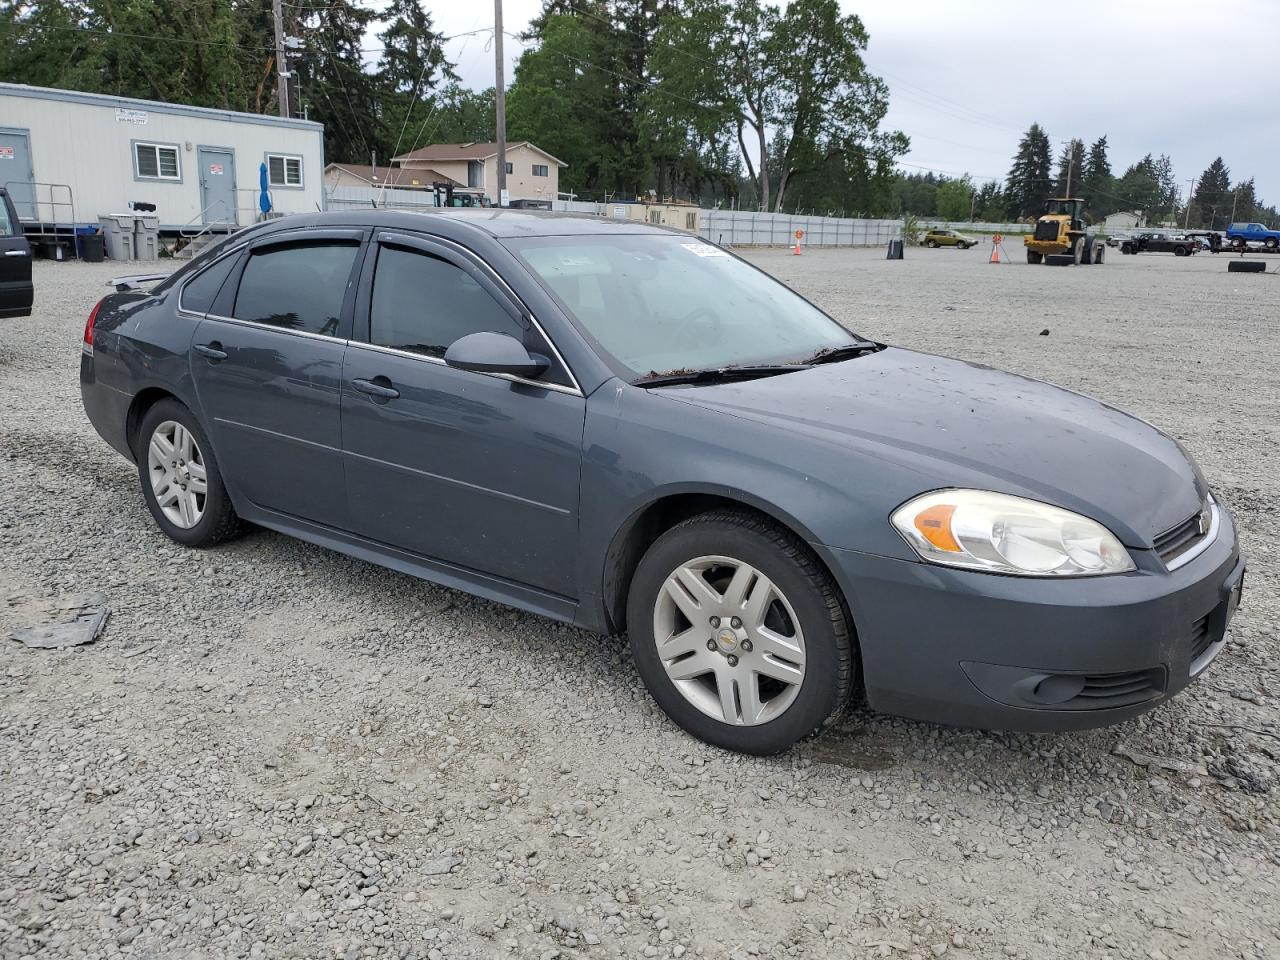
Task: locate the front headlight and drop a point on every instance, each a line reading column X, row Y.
column 998, row 533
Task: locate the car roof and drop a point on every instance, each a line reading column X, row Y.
column 500, row 223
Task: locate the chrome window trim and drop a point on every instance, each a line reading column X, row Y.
column 427, row 358
column 1205, row 542
column 409, row 239
column 557, row 387
column 252, row 324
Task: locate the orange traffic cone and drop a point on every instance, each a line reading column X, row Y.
column 995, row 253
column 796, row 252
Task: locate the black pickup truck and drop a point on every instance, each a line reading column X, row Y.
column 1159, row 243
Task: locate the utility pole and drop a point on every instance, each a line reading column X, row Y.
column 1234, row 196
column 282, row 70
column 1186, row 219
column 500, row 98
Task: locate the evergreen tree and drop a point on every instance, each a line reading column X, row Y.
column 1029, row 183
column 1139, row 190
column 1070, row 167
column 1096, row 181
column 331, row 82
column 1213, row 195
column 1243, row 206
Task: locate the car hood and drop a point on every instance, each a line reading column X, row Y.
column 955, row 423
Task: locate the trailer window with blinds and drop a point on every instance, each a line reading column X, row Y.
column 156, row 161
column 284, row 170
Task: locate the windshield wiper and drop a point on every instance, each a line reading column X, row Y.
column 846, row 352
column 717, row 374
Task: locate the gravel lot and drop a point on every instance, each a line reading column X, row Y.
column 275, row 751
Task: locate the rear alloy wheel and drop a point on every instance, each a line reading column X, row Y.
column 931, row 244
column 180, row 479
column 739, row 633
column 1270, row 244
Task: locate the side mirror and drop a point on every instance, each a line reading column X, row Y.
column 495, row 353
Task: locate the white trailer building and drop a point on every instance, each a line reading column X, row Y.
column 68, row 158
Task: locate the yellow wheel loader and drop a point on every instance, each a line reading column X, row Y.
column 1060, row 238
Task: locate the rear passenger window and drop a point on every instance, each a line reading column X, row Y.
column 201, row 290
column 423, row 304
column 299, row 287
column 6, row 225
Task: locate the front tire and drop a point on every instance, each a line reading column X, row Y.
column 931, row 244
column 1270, row 244
column 180, row 480
column 740, row 633
column 1034, row 256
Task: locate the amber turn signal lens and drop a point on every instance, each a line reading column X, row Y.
column 934, row 525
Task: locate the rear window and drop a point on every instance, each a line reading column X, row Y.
column 298, row 287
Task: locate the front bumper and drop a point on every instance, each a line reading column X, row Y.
column 1020, row 653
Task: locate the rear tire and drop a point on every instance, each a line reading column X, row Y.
column 931, row 244
column 1099, row 252
column 1034, row 256
column 1077, row 250
column 180, row 480
column 779, row 672
column 1180, row 251
column 1270, row 244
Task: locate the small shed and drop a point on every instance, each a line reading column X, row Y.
column 68, row 158
column 1124, row 220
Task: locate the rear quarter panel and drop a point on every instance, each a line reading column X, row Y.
column 140, row 342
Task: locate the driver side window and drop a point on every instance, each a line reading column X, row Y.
column 422, row 304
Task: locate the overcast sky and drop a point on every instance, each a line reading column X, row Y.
column 967, row 77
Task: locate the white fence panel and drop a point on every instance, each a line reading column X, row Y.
column 730, row 227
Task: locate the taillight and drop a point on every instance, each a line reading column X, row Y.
column 87, row 346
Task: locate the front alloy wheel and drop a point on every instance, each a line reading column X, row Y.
column 740, row 633
column 729, row 640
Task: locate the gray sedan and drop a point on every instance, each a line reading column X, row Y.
column 632, row 430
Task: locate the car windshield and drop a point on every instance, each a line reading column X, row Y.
column 662, row 303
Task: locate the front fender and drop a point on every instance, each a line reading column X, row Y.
column 641, row 447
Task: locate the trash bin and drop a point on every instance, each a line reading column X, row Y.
column 91, row 247
column 117, row 234
column 146, row 237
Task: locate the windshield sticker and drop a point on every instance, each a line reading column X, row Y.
column 704, row 250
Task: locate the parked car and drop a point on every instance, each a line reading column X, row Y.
column 1159, row 243
column 16, row 289
column 948, row 238
column 632, row 430
column 1240, row 235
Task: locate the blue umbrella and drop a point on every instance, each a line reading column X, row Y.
column 264, row 198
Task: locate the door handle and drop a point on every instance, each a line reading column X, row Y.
column 17, row 253
column 379, row 391
column 212, row 352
